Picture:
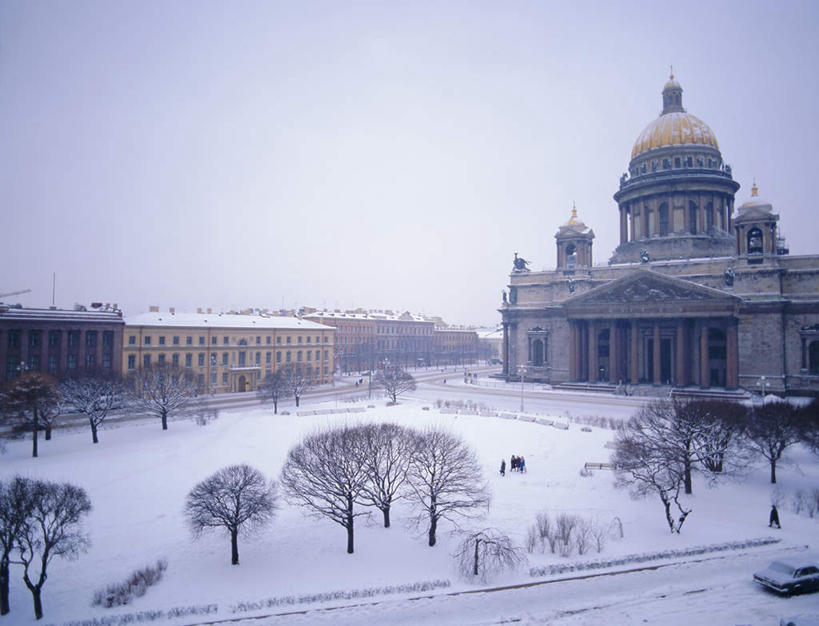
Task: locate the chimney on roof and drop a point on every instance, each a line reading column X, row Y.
column 209, row 311
column 153, row 309
column 172, row 310
column 199, row 310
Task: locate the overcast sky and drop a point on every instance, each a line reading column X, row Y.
column 372, row 154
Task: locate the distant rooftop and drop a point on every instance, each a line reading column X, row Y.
column 78, row 314
column 222, row 320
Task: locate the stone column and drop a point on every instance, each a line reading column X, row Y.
column 656, row 373
column 505, row 370
column 592, row 351
column 572, row 351
column 804, row 361
column 704, row 378
column 732, row 356
column 686, row 215
column 634, row 363
column 623, row 224
column 680, row 377
column 614, row 355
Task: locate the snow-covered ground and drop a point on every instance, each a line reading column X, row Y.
column 138, row 476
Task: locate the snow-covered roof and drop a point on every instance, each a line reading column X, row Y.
column 369, row 315
column 222, row 320
column 60, row 315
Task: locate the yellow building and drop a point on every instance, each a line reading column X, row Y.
column 228, row 352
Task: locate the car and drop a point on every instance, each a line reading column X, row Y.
column 791, row 574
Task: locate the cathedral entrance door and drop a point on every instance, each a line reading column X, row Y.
column 665, row 361
column 242, row 386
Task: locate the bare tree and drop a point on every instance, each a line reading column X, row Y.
column 645, row 463
column 52, row 528
column 273, row 388
column 485, row 553
column 445, row 478
column 720, row 425
column 93, row 396
column 32, row 400
column 15, row 504
column 326, row 473
column 772, row 428
column 161, row 391
column 237, row 498
column 395, row 381
column 297, row 382
column 810, row 425
column 387, row 450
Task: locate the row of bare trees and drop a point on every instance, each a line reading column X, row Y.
column 659, row 449
column 334, row 470
column 39, row 520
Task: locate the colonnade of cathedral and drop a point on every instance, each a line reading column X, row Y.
column 681, row 351
column 661, row 215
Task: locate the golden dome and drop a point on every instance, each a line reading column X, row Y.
column 674, row 129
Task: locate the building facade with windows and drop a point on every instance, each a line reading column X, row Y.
column 60, row 342
column 698, row 294
column 228, row 352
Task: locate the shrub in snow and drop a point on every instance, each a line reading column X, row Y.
column 352, row 594
column 135, row 586
column 563, row 568
column 585, row 472
column 485, row 553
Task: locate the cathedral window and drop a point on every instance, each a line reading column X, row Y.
column 754, row 241
column 813, row 358
column 571, row 255
column 663, row 219
column 692, row 218
column 677, row 162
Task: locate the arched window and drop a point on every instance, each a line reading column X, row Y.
column 692, row 218
column 571, row 255
column 754, row 241
column 663, row 219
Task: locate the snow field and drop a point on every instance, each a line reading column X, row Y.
column 138, row 476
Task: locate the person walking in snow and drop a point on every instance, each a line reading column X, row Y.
column 774, row 518
column 503, row 467
column 522, row 464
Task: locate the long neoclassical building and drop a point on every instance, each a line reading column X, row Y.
column 699, row 293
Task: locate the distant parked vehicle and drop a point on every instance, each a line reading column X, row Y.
column 800, row 620
column 793, row 574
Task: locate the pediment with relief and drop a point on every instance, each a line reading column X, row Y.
column 644, row 286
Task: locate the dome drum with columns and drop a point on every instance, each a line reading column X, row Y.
column 696, row 298
column 677, row 198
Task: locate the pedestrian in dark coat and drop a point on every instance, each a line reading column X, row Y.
column 503, row 467
column 522, row 464
column 774, row 518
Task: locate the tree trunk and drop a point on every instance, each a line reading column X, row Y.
column 687, row 466
column 234, row 547
column 773, row 471
column 297, row 402
column 94, row 437
column 164, row 420
column 4, row 586
column 38, row 603
column 275, row 407
column 475, row 568
column 433, row 526
column 34, row 439
column 48, row 432
column 349, row 525
column 386, row 512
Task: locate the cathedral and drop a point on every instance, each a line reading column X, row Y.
column 699, row 296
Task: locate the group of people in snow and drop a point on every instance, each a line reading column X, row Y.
column 516, row 464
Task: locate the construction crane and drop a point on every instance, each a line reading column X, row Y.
column 13, row 293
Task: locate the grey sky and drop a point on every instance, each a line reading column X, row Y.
column 366, row 154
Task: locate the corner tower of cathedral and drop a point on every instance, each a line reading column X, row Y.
column 677, row 197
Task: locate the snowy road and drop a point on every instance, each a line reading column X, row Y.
column 711, row 590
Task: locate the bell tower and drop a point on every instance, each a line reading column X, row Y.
column 574, row 245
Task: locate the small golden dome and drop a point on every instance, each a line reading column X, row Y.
column 573, row 219
column 674, row 129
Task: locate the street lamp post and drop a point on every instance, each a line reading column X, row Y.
column 762, row 384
